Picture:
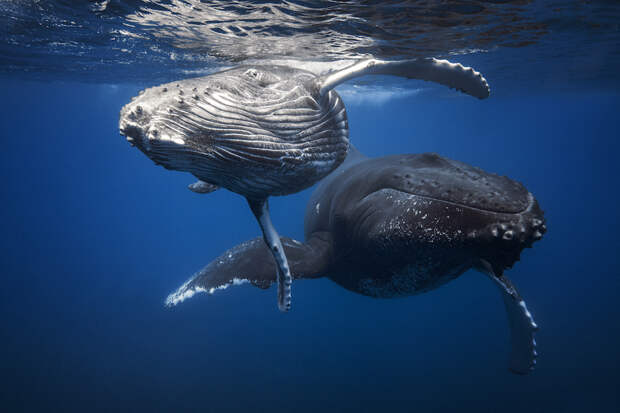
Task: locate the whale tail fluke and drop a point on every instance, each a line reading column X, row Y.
column 252, row 262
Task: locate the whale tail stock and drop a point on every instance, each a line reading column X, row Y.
column 252, row 262
column 453, row 75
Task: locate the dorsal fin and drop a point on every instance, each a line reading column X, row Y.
column 252, row 262
column 453, row 75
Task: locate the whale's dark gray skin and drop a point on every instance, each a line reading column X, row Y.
column 263, row 130
column 398, row 226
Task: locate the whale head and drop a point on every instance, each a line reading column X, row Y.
column 415, row 222
column 256, row 130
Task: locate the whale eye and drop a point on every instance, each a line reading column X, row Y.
column 261, row 78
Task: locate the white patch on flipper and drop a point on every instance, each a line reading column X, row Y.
column 522, row 327
column 375, row 95
column 184, row 291
column 529, row 316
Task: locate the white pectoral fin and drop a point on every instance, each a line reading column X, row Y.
column 453, row 75
column 202, row 187
column 522, row 327
column 260, row 209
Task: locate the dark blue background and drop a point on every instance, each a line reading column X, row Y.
column 94, row 236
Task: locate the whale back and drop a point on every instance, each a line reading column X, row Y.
column 255, row 130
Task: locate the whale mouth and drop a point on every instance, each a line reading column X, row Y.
column 130, row 123
column 529, row 205
column 131, row 132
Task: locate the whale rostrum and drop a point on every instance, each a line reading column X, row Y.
column 398, row 226
column 263, row 130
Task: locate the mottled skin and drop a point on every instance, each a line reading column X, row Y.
column 397, row 226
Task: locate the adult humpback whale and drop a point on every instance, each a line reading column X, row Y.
column 397, row 226
column 263, row 130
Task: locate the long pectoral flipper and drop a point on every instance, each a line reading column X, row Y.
column 453, row 75
column 272, row 239
column 522, row 327
column 252, row 262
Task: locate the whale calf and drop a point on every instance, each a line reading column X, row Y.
column 398, row 226
column 264, row 130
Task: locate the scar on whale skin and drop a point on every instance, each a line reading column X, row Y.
column 264, row 130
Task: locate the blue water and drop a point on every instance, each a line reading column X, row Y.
column 95, row 236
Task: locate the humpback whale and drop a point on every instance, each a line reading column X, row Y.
column 399, row 226
column 264, row 130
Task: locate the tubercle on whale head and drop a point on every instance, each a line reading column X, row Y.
column 136, row 120
column 130, row 123
column 135, row 117
column 505, row 239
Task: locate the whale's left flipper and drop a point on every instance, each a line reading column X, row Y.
column 522, row 326
column 251, row 262
column 453, row 75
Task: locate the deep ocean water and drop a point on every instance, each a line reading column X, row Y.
column 95, row 236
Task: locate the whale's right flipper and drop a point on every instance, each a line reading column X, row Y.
column 252, row 262
column 522, row 326
column 453, row 75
